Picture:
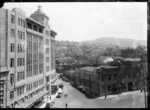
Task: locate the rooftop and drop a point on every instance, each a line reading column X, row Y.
column 40, row 12
column 88, row 68
column 132, row 59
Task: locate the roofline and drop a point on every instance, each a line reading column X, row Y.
column 30, row 19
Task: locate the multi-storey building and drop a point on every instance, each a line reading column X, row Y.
column 26, row 57
column 109, row 79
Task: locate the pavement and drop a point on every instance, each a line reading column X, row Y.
column 77, row 99
column 120, row 95
column 47, row 97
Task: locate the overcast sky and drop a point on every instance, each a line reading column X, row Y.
column 88, row 21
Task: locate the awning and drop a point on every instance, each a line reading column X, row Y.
column 31, row 102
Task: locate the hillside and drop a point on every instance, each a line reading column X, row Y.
column 121, row 42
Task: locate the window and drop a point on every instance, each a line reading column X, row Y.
column 47, row 50
column 12, row 47
column 35, row 28
column 12, row 79
column 47, row 32
column 47, row 68
column 129, row 74
column 23, row 35
column 109, row 77
column 20, row 62
column 12, row 33
column 102, row 78
column 115, row 76
column 47, row 41
column 18, row 48
column 40, row 30
column 11, row 94
column 47, row 79
column 21, row 48
column 19, row 21
column 29, row 25
column 47, row 59
column 18, row 76
column 109, row 87
column 12, row 62
column 133, row 75
column 12, row 19
column 24, row 23
column 23, row 75
column 20, row 35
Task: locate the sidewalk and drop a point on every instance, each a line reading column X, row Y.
column 120, row 95
column 47, row 100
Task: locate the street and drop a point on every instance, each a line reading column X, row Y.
column 77, row 99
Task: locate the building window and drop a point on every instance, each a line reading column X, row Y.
column 47, row 59
column 1, row 103
column 29, row 25
column 47, row 32
column 129, row 74
column 12, row 79
column 133, row 75
column 23, row 35
column 40, row 30
column 47, row 50
column 102, row 77
column 115, row 76
column 109, row 77
column 12, row 33
column 12, row 48
column 18, row 48
column 12, row 19
column 11, row 94
column 47, row 41
column 19, row 21
column 47, row 79
column 18, row 76
column 24, row 23
column 35, row 28
column 12, row 62
column 109, row 88
column 47, row 69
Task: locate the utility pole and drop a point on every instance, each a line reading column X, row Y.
column 105, row 85
column 143, row 79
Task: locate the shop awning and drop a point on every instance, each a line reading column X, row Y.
column 30, row 102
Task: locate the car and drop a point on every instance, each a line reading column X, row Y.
column 61, row 85
column 59, row 95
column 48, row 105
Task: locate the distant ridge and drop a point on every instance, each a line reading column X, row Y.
column 121, row 42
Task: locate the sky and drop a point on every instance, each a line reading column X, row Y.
column 81, row 21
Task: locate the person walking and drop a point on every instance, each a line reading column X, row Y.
column 66, row 105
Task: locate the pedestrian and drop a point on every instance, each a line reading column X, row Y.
column 66, row 105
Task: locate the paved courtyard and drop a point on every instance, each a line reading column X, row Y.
column 77, row 99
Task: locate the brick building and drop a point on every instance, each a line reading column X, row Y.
column 27, row 58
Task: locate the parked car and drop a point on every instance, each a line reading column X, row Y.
column 59, row 95
column 61, row 85
column 48, row 105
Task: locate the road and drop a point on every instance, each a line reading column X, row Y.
column 77, row 99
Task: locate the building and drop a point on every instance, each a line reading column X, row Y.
column 108, row 79
column 27, row 58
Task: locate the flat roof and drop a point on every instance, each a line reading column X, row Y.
column 107, row 67
column 88, row 68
